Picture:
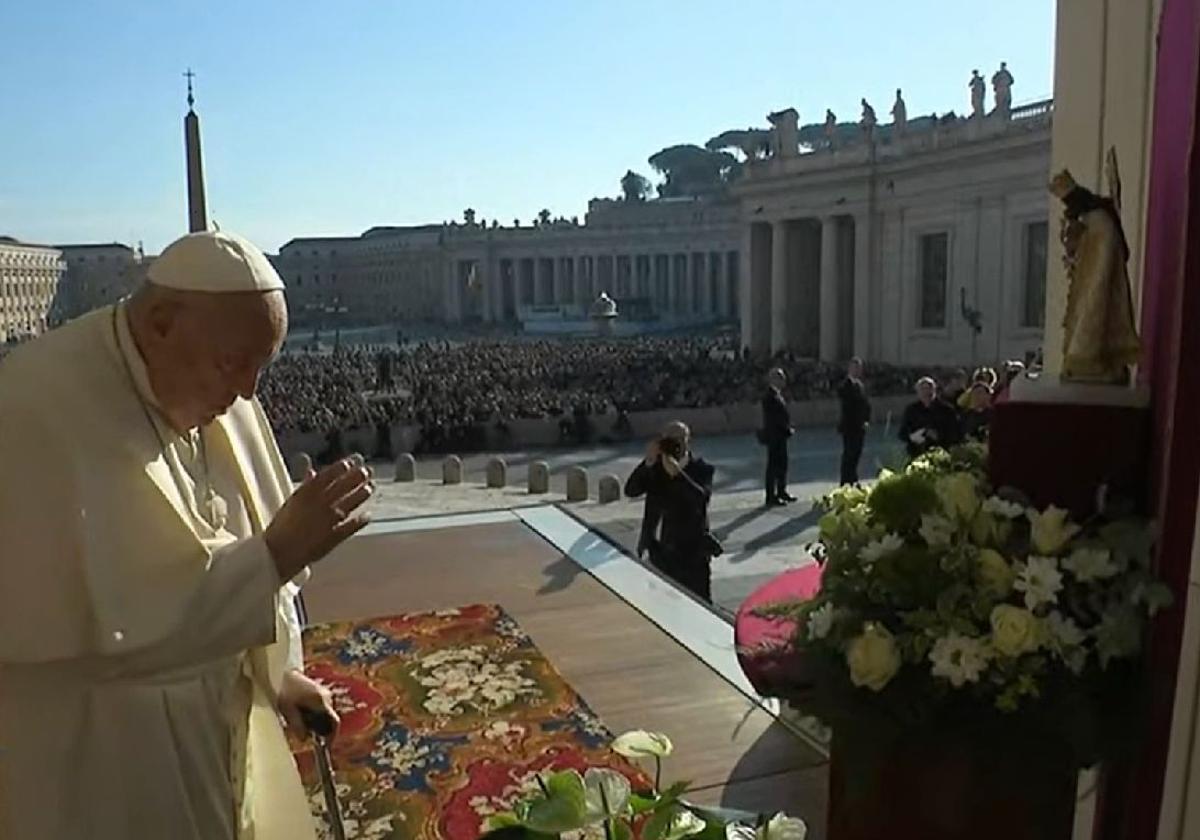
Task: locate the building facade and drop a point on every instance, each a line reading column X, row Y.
column 673, row 260
column 97, row 275
column 916, row 243
column 29, row 279
column 914, row 247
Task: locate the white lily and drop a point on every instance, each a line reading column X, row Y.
column 936, row 530
column 639, row 743
column 684, row 824
column 820, row 621
column 779, row 827
column 1089, row 564
column 606, row 793
column 882, row 547
column 1002, row 507
column 1040, row 580
column 783, row 827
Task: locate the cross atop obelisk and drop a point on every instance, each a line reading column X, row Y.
column 189, row 75
column 197, row 212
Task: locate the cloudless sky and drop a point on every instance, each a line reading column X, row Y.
column 327, row 118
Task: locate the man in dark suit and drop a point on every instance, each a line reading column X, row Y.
column 677, row 485
column 853, row 421
column 928, row 422
column 776, row 429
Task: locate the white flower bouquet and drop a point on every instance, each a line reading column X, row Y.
column 945, row 601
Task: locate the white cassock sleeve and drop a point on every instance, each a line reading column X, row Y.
column 295, row 657
column 231, row 610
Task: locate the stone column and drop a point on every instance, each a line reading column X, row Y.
column 779, row 290
column 495, row 281
column 745, row 290
column 560, row 281
column 672, row 303
column 862, row 286
column 695, row 291
column 501, row 289
column 721, row 263
column 717, row 270
column 712, row 277
column 829, row 289
column 484, row 278
column 496, row 273
column 453, row 294
column 682, row 272
column 538, row 282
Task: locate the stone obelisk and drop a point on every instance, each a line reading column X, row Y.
column 197, row 212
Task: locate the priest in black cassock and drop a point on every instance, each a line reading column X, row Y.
column 853, row 421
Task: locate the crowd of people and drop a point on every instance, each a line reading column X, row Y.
column 958, row 409
column 454, row 391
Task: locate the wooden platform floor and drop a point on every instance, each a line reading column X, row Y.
column 630, row 672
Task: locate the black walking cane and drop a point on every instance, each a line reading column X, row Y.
column 320, row 725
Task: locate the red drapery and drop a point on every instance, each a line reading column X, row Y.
column 1131, row 793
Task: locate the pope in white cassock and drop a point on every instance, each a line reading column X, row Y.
column 151, row 545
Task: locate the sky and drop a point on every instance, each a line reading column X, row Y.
column 325, row 119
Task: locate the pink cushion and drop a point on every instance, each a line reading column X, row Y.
column 763, row 642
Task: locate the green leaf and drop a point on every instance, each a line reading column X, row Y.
column 672, row 823
column 675, row 791
column 496, row 822
column 563, row 809
column 1130, row 539
column 620, row 830
column 562, row 782
column 656, row 827
column 639, row 804
column 898, row 501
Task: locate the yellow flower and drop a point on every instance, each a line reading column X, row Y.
column 995, row 574
column 1050, row 530
column 984, row 530
column 958, row 495
column 1014, row 630
column 873, row 657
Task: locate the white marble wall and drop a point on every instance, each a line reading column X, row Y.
column 980, row 192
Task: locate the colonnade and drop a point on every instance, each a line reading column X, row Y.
column 808, row 286
column 683, row 285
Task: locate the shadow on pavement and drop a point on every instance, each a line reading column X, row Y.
column 790, row 528
column 728, row 528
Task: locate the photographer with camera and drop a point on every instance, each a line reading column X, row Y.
column 677, row 485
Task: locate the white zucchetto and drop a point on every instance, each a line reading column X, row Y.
column 214, row 262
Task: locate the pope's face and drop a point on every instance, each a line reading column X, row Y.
column 212, row 350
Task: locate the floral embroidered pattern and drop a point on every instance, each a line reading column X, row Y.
column 447, row 718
